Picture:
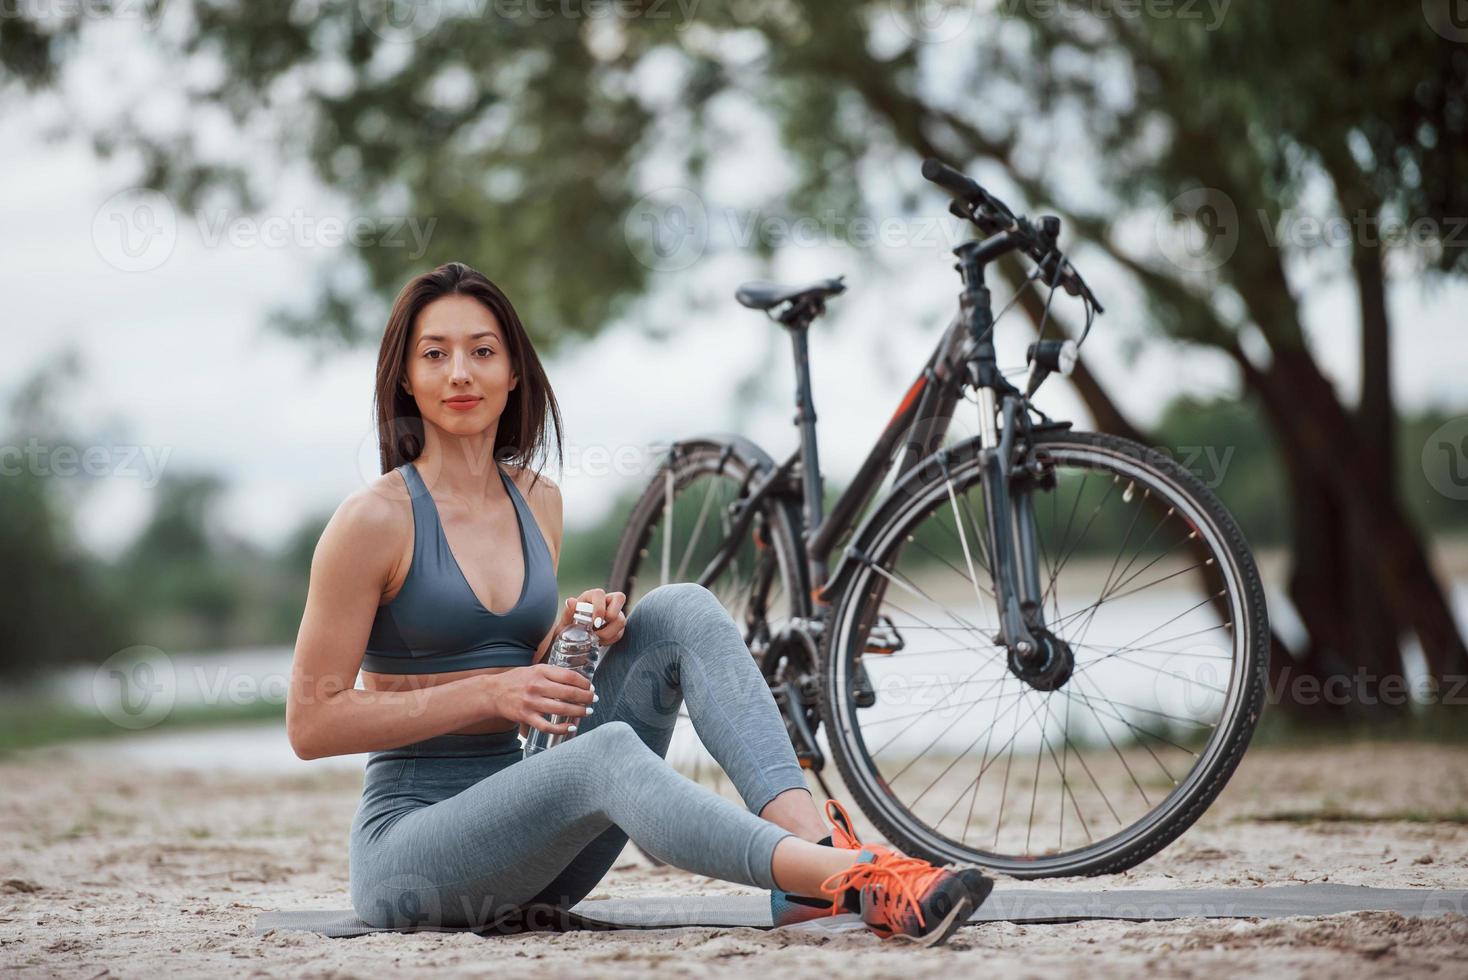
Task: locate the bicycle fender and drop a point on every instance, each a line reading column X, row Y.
column 747, row 450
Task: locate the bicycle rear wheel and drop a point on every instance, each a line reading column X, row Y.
column 1090, row 765
column 681, row 521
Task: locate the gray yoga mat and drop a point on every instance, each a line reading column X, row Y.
column 1022, row 905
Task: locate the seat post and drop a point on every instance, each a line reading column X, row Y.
column 805, row 421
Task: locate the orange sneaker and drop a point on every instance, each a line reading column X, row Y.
column 787, row 908
column 907, row 898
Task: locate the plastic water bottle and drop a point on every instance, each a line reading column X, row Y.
column 577, row 649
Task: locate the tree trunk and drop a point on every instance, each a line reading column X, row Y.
column 1361, row 575
column 1376, row 411
column 1384, row 585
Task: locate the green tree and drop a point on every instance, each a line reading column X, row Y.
column 180, row 571
column 529, row 140
column 56, row 607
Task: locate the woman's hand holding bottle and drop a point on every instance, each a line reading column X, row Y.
column 608, row 622
column 532, row 695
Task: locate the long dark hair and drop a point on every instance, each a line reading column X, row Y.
column 521, row 433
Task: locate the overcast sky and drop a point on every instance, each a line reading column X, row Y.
column 181, row 367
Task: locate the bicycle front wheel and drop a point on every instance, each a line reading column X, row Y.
column 1106, row 755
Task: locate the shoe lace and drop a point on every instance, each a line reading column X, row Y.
column 842, row 833
column 899, row 879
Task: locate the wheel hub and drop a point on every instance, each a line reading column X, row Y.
column 1048, row 666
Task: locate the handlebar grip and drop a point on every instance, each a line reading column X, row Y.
column 952, row 181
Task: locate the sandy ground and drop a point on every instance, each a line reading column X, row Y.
column 110, row 873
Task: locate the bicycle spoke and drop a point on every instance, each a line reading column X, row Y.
column 1141, row 588
column 1127, row 651
column 1128, row 573
column 1137, row 728
column 923, row 624
column 703, row 514
column 927, row 711
column 981, row 535
column 896, row 580
column 909, row 727
column 1035, row 789
column 1112, row 743
column 986, row 591
column 1106, row 585
column 969, row 818
column 668, row 526
column 1064, row 784
column 984, row 768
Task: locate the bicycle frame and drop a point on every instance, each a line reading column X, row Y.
column 964, row 356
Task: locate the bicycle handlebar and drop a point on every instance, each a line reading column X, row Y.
column 955, row 183
column 992, row 216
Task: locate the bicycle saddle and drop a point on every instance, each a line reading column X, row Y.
column 761, row 295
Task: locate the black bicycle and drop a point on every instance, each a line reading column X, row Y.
column 1041, row 650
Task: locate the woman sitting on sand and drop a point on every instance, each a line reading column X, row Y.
column 454, row 827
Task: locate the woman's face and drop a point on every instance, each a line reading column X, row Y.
column 459, row 365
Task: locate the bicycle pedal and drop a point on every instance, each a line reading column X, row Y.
column 883, row 638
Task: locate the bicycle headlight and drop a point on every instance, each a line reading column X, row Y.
column 1069, row 354
column 1059, row 356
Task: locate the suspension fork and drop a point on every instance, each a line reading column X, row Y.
column 1014, row 558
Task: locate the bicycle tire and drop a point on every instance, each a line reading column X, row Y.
column 1225, row 748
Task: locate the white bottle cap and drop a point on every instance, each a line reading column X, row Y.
column 585, row 607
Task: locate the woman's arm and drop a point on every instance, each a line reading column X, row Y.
column 325, row 714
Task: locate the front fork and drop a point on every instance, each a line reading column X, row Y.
column 1015, row 561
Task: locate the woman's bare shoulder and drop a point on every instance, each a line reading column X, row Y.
column 534, row 484
column 543, row 497
column 373, row 521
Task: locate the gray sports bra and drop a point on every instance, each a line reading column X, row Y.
column 436, row 624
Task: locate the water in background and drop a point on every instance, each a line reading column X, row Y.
column 261, row 673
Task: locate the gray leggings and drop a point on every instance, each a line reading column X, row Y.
column 459, row 830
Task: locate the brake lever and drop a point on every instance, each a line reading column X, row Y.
column 1054, row 268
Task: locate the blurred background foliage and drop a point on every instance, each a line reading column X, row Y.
column 531, row 140
column 186, row 584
